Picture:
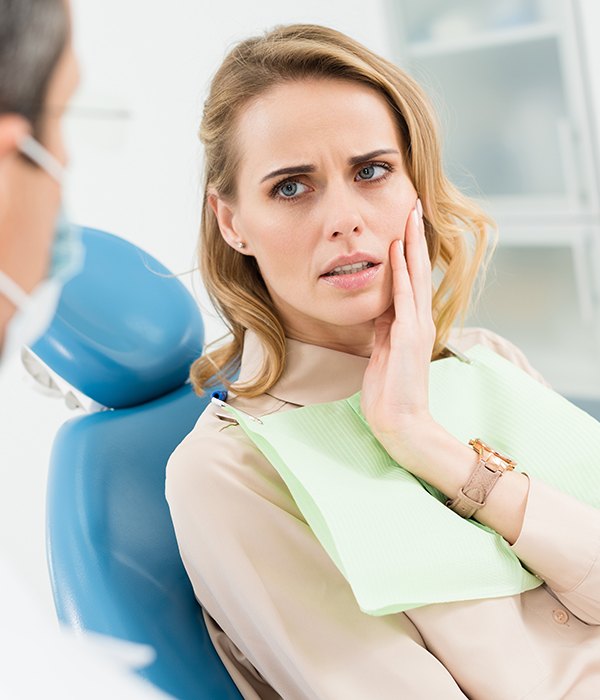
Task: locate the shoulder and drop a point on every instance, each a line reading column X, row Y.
column 465, row 338
column 216, row 462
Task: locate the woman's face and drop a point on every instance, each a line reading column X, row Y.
column 321, row 185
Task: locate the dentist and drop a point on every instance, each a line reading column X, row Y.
column 39, row 252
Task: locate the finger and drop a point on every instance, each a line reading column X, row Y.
column 404, row 337
column 404, row 305
column 418, row 264
column 382, row 327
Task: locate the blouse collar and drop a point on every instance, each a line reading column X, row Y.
column 312, row 374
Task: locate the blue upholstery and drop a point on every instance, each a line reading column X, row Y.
column 126, row 337
column 126, row 330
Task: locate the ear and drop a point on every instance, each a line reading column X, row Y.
column 13, row 127
column 225, row 215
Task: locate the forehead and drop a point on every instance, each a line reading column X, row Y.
column 300, row 121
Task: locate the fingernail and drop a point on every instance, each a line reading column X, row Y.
column 400, row 246
column 419, row 208
column 415, row 216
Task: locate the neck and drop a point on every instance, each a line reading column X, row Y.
column 354, row 340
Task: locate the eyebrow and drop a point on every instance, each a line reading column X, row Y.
column 308, row 168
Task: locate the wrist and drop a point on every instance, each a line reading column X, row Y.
column 429, row 451
column 402, row 436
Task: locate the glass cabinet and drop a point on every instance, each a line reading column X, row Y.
column 509, row 83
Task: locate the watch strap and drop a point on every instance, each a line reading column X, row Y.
column 473, row 495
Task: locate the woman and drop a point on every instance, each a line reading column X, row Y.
column 325, row 211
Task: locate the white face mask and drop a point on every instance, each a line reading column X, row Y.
column 35, row 311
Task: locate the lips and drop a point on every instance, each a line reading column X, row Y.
column 353, row 281
column 342, row 261
column 350, row 269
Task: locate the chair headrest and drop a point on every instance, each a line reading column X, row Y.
column 126, row 331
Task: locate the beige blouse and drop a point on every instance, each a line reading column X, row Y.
column 283, row 618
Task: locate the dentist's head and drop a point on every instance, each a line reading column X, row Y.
column 38, row 248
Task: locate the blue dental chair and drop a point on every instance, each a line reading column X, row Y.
column 125, row 335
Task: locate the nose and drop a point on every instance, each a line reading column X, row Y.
column 341, row 214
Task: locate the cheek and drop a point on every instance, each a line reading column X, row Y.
column 389, row 212
column 283, row 243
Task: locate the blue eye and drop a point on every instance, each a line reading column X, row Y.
column 289, row 189
column 369, row 172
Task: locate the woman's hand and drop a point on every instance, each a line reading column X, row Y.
column 395, row 393
column 395, row 390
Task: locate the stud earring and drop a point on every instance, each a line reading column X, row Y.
column 241, row 244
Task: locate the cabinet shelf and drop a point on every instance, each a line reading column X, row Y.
column 530, row 210
column 541, row 236
column 464, row 44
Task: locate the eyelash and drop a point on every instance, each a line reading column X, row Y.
column 274, row 193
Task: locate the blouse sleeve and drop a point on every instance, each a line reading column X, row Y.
column 261, row 574
column 560, row 542
column 560, row 537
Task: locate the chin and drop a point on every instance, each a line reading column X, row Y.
column 357, row 312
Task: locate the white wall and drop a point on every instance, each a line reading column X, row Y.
column 139, row 178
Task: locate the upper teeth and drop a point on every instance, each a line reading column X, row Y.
column 349, row 269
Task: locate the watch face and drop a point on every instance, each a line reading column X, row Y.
column 500, row 459
column 497, row 461
column 504, row 456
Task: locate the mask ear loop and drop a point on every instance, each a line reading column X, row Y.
column 11, row 290
column 41, row 156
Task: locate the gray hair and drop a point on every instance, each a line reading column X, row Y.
column 33, row 35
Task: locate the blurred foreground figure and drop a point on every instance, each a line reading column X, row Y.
column 39, row 252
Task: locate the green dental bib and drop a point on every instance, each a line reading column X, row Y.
column 389, row 532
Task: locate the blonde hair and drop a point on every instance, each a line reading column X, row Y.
column 233, row 281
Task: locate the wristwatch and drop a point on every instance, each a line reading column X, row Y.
column 490, row 467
